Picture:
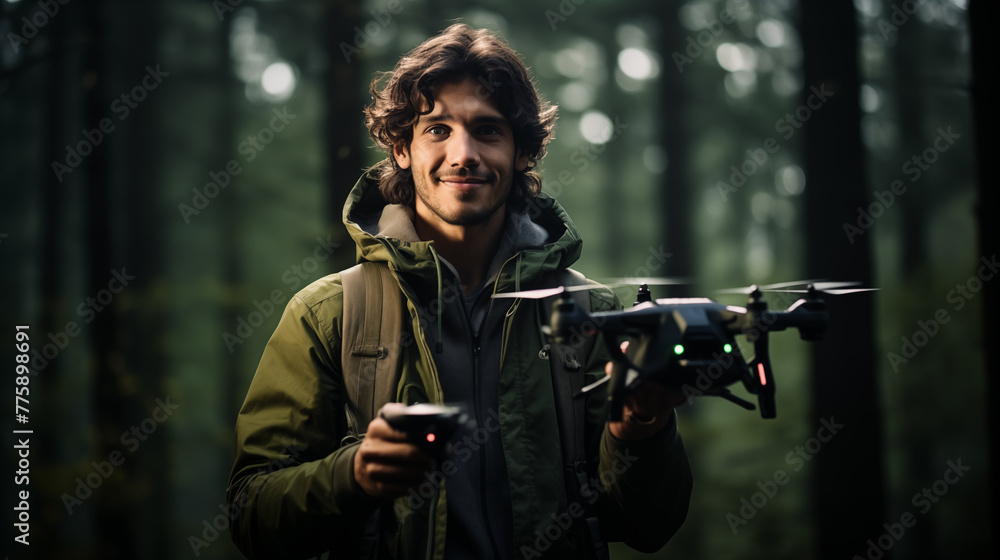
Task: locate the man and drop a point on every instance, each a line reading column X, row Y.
column 456, row 213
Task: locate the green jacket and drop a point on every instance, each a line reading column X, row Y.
column 292, row 493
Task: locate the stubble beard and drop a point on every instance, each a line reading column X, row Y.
column 466, row 217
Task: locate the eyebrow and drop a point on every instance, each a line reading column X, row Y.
column 481, row 119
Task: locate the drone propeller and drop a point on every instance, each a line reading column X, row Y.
column 828, row 288
column 544, row 292
column 647, row 280
column 610, row 283
column 791, row 283
column 834, row 292
column 832, row 288
column 747, row 290
column 821, row 286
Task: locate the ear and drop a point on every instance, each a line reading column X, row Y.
column 520, row 160
column 402, row 155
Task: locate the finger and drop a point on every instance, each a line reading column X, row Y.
column 385, row 481
column 394, row 475
column 608, row 366
column 379, row 428
column 395, row 453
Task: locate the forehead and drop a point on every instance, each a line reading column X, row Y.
column 463, row 99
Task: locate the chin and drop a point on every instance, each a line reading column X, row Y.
column 472, row 216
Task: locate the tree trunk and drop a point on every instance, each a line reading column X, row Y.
column 114, row 534
column 848, row 486
column 982, row 17
column 344, row 79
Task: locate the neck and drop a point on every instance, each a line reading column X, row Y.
column 470, row 249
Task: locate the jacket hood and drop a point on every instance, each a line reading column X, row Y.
column 374, row 224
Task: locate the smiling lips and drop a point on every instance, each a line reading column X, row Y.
column 463, row 182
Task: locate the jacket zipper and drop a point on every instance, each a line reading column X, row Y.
column 478, row 408
column 487, row 525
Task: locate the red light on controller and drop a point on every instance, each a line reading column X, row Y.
column 431, row 438
column 760, row 373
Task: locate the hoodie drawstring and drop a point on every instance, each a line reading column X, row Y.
column 517, row 273
column 439, row 347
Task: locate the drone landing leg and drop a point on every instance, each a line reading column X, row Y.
column 729, row 396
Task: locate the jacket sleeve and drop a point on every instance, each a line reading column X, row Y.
column 292, row 492
column 645, row 486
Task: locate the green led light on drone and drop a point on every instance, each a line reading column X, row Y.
column 728, row 348
column 679, row 349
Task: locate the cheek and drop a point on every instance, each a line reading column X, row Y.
column 503, row 157
column 425, row 158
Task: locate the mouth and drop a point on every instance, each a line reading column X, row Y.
column 463, row 183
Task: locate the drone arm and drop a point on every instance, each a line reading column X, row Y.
column 809, row 315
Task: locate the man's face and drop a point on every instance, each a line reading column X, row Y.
column 462, row 157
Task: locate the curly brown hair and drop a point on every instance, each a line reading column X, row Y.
column 457, row 53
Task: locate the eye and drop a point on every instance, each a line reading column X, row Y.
column 489, row 130
column 436, row 130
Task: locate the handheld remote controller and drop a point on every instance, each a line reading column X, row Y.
column 429, row 426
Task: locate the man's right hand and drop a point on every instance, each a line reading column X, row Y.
column 386, row 464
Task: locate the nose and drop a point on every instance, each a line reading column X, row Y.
column 462, row 150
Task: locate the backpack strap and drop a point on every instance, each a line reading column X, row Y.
column 370, row 353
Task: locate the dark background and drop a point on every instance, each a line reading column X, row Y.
column 659, row 103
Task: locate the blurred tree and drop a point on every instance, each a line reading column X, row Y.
column 121, row 219
column 848, row 486
column 344, row 84
column 677, row 186
column 982, row 16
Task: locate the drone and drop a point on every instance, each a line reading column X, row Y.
column 689, row 344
